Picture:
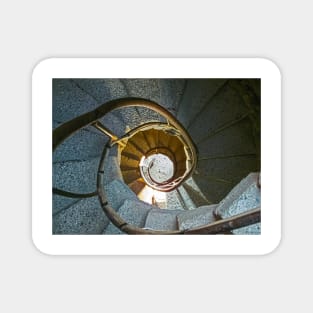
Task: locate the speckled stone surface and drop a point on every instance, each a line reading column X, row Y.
column 172, row 201
column 59, row 203
column 112, row 170
column 76, row 176
column 230, row 170
column 143, row 88
column 198, row 92
column 102, row 90
column 160, row 219
column 233, row 140
column 227, row 105
column 214, row 188
column 148, row 89
column 83, row 145
column 131, row 117
column 69, row 101
column 243, row 197
column 55, row 124
column 200, row 216
column 188, row 203
column 171, row 93
column 117, row 192
column 73, row 97
column 84, row 217
column 227, row 148
column 114, row 124
column 133, row 212
column 148, row 115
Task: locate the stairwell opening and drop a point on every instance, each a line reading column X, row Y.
column 157, row 167
column 157, row 156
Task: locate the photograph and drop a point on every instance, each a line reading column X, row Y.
column 156, row 156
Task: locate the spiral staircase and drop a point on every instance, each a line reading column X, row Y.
column 156, row 156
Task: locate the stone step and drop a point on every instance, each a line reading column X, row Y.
column 171, row 93
column 198, row 93
column 143, row 88
column 60, row 203
column 200, row 216
column 101, row 91
column 151, row 137
column 117, row 192
column 130, row 162
column 83, row 145
column 173, row 201
column 214, row 188
column 76, row 176
column 195, row 194
column 226, row 106
column 139, row 140
column 130, row 116
column 114, row 123
column 242, row 198
column 133, row 212
column 84, row 217
column 231, row 141
column 131, row 175
column 137, row 185
column 162, row 219
column 147, row 115
column 70, row 101
column 112, row 170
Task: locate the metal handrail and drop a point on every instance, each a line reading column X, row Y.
column 70, row 194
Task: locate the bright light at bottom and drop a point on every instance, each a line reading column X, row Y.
column 147, row 194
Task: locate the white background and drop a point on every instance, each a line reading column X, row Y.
column 264, row 69
column 34, row 30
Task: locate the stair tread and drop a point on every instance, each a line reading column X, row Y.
column 60, row 202
column 111, row 170
column 227, row 105
column 116, row 199
column 133, row 212
column 200, row 216
column 76, row 176
column 143, row 88
column 237, row 139
column 171, row 93
column 83, row 145
column 137, row 185
column 77, row 101
column 243, row 197
column 162, row 219
column 130, row 176
column 196, row 96
column 101, row 91
column 84, row 217
column 114, row 123
column 195, row 194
